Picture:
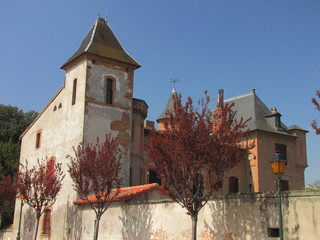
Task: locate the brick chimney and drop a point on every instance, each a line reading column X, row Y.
column 220, row 98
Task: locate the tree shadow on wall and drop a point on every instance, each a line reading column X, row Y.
column 29, row 222
column 292, row 208
column 136, row 222
column 237, row 217
column 73, row 222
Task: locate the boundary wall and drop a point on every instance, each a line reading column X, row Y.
column 231, row 217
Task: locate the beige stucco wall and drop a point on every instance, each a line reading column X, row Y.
column 243, row 217
column 240, row 216
column 60, row 131
column 64, row 125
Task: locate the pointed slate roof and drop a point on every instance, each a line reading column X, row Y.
column 250, row 105
column 170, row 105
column 101, row 41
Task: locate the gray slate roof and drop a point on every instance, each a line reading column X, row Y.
column 101, row 41
column 170, row 105
column 250, row 105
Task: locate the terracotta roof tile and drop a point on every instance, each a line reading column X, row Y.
column 127, row 193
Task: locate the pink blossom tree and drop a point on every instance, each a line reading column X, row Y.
column 95, row 170
column 40, row 186
column 195, row 150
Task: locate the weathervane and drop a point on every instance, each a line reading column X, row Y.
column 174, row 80
column 253, row 88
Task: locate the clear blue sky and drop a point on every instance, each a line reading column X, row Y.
column 208, row 44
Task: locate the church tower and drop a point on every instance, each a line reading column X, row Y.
column 101, row 73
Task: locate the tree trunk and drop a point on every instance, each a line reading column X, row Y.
column 194, row 218
column 36, row 229
column 96, row 228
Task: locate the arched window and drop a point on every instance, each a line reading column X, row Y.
column 109, row 90
column 153, row 177
column 233, row 185
column 46, row 226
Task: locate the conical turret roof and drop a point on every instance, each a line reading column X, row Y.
column 102, row 42
column 170, row 105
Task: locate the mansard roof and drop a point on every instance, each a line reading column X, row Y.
column 102, row 42
column 262, row 118
column 170, row 105
column 127, row 193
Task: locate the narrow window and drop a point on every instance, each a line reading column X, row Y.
column 233, row 185
column 109, row 91
column 251, row 188
column 74, row 91
column 282, row 149
column 131, row 177
column 38, row 139
column 46, row 227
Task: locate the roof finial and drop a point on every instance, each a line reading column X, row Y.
column 105, row 16
column 174, row 80
column 253, row 89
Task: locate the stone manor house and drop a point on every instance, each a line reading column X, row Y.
column 97, row 98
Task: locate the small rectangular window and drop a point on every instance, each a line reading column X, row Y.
column 74, row 91
column 38, row 139
column 284, row 185
column 109, row 91
column 273, row 232
column 282, row 149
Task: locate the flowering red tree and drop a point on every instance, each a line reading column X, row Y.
column 40, row 186
column 314, row 124
column 7, row 194
column 95, row 169
column 193, row 153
